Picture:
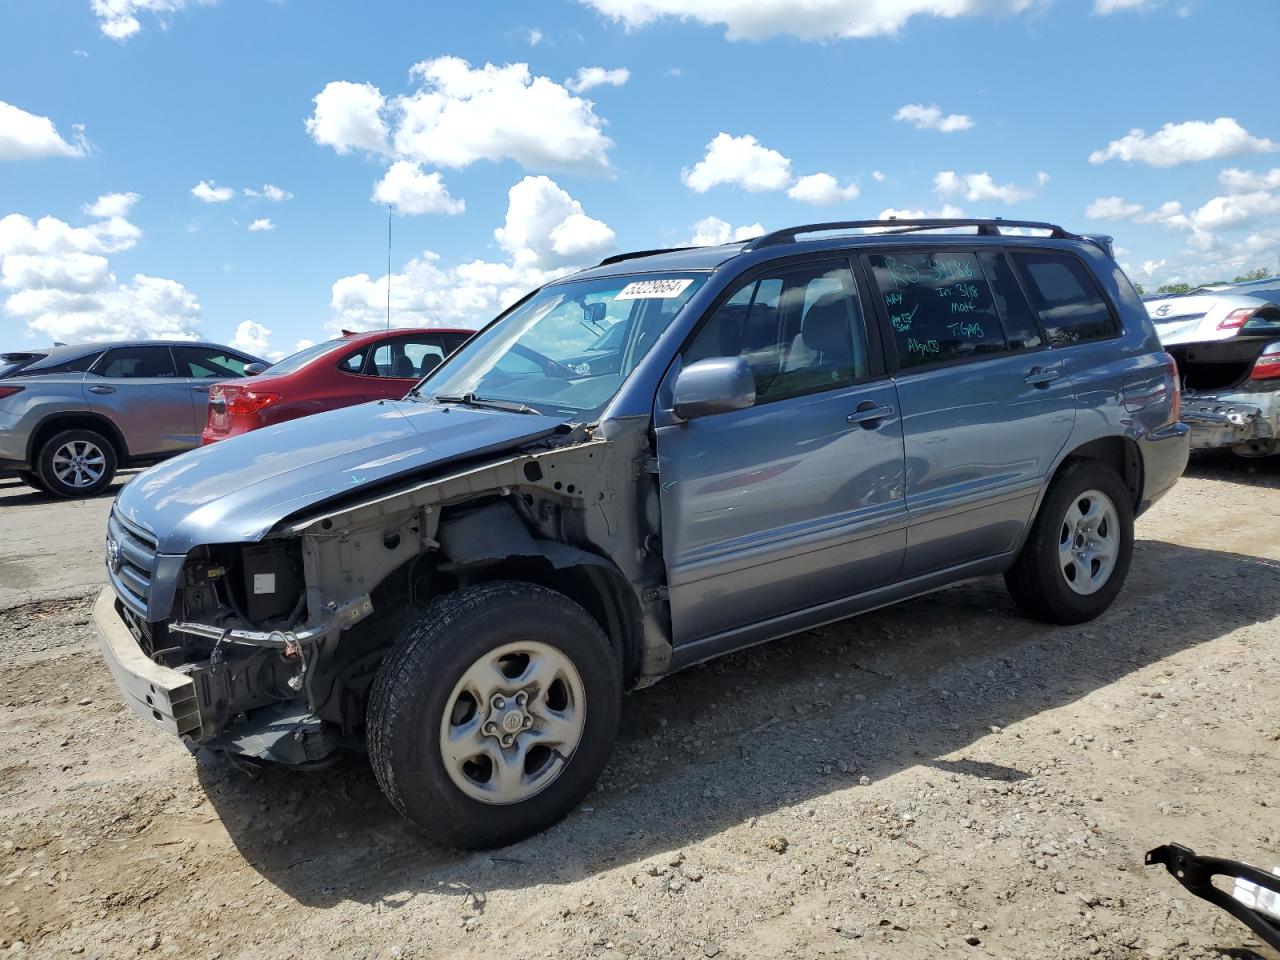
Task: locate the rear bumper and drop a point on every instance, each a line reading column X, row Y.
column 1164, row 457
column 156, row 693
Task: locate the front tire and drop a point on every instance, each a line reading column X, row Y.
column 76, row 463
column 1078, row 553
column 494, row 714
column 32, row 479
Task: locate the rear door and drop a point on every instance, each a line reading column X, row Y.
column 202, row 367
column 986, row 407
column 396, row 364
column 139, row 390
column 798, row 500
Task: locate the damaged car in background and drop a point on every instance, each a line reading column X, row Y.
column 789, row 431
column 1226, row 343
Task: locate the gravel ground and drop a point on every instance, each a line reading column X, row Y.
column 942, row 777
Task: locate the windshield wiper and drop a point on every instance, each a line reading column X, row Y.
column 471, row 400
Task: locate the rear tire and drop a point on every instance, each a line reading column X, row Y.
column 494, row 714
column 76, row 463
column 1077, row 555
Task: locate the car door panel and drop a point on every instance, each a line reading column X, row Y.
column 776, row 508
column 788, row 504
column 153, row 413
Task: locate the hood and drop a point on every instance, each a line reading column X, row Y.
column 236, row 490
column 1195, row 318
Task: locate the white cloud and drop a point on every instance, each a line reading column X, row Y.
column 878, row 176
column 269, row 192
column 1178, row 143
column 61, row 285
column 546, row 233
column 1168, row 214
column 411, row 191
column 209, row 192
column 461, row 115
column 822, row 189
column 533, row 37
column 977, row 187
column 303, row 344
column 1112, row 208
column 1249, row 181
column 932, row 118
column 348, row 116
column 252, row 337
column 712, row 232
column 117, row 18
column 1104, row 7
column 112, row 205
column 806, row 19
column 946, row 212
column 589, row 77
column 27, row 136
column 1236, row 210
column 739, row 160
column 261, row 225
column 546, row 228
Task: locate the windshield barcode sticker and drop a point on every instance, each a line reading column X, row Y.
column 647, row 289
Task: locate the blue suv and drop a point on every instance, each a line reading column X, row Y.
column 787, row 431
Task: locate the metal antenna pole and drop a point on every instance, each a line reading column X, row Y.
column 388, row 266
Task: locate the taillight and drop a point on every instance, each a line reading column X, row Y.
column 1266, row 367
column 9, row 391
column 247, row 403
column 1236, row 318
column 1175, row 396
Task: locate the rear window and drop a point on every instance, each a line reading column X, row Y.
column 1065, row 295
column 11, row 362
column 939, row 304
column 294, row 363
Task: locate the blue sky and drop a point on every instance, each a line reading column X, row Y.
column 725, row 113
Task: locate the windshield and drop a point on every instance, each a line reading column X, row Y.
column 297, row 361
column 569, row 348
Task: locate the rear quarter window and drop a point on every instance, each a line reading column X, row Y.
column 1066, row 297
column 939, row 304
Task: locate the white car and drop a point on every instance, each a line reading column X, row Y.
column 1227, row 348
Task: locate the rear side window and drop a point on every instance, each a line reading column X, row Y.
column 203, row 363
column 939, row 304
column 1019, row 322
column 40, row 369
column 136, row 363
column 1066, row 297
column 353, row 362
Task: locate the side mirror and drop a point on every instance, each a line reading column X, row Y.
column 714, row 386
column 253, row 369
column 594, row 313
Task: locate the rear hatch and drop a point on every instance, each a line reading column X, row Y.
column 11, row 363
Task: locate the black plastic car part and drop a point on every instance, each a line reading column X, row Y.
column 1196, row 873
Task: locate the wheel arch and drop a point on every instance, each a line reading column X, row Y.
column 79, row 420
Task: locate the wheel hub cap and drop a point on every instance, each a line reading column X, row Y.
column 1089, row 542
column 512, row 722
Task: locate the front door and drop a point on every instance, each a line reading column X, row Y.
column 798, row 500
column 139, row 390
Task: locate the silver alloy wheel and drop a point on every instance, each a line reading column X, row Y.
column 79, row 464
column 1089, row 542
column 512, row 722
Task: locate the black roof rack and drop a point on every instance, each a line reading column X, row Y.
column 986, row 228
column 634, row 254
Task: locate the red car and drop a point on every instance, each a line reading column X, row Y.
column 352, row 369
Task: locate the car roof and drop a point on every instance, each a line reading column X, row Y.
column 69, row 351
column 834, row 235
column 364, row 336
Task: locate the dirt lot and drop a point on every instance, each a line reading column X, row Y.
column 941, row 778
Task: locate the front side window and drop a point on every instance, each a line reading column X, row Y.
column 939, row 304
column 136, row 363
column 799, row 329
column 545, row 354
column 1064, row 294
column 204, row 364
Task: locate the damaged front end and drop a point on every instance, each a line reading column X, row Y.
column 269, row 648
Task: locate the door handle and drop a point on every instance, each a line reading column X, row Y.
column 870, row 414
column 100, row 388
column 199, row 389
column 1040, row 377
